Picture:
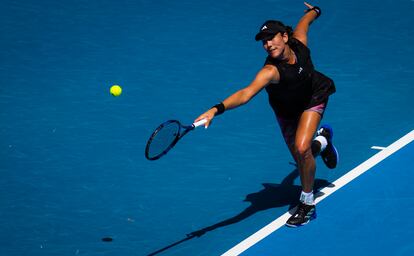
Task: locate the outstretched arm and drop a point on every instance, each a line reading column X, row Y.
column 264, row 76
column 301, row 30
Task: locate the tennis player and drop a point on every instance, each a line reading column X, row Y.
column 298, row 94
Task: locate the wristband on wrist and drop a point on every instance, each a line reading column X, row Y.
column 220, row 108
column 317, row 10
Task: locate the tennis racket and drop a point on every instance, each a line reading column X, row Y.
column 164, row 138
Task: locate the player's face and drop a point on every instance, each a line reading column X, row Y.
column 275, row 46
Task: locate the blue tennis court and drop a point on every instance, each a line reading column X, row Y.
column 366, row 216
column 72, row 156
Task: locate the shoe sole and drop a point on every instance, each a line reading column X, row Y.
column 337, row 158
column 330, row 129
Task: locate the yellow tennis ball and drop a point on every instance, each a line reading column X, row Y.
column 116, row 90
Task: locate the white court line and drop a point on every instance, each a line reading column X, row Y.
column 378, row 147
column 327, row 191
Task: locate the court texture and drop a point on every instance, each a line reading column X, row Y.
column 74, row 179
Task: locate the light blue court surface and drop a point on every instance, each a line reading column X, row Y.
column 72, row 163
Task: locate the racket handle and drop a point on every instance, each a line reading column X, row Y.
column 199, row 123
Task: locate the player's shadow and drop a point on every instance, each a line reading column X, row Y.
column 271, row 196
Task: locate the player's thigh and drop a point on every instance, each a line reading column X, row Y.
column 307, row 126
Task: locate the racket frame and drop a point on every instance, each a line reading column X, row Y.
column 185, row 128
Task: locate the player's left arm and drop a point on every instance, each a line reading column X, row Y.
column 302, row 28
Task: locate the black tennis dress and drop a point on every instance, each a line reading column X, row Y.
column 300, row 87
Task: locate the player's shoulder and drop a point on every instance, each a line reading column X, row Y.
column 269, row 69
column 270, row 72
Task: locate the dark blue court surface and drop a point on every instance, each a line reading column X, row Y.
column 74, row 179
column 368, row 216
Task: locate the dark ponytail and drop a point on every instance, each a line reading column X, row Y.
column 289, row 31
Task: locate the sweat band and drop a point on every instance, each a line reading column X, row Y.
column 220, row 108
column 317, row 10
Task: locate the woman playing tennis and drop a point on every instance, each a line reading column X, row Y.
column 298, row 94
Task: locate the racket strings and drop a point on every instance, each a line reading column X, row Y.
column 163, row 139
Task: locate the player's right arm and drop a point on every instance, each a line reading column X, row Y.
column 267, row 74
column 302, row 28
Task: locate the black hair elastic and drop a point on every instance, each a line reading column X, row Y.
column 220, row 108
column 317, row 10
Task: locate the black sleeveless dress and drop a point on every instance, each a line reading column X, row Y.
column 300, row 87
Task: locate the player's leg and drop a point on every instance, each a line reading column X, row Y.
column 306, row 129
column 323, row 144
column 288, row 128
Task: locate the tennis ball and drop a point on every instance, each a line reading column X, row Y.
column 115, row 90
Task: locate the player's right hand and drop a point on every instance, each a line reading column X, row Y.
column 208, row 115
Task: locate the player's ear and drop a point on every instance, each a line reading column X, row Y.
column 285, row 37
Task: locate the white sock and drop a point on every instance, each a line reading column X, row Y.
column 323, row 142
column 307, row 198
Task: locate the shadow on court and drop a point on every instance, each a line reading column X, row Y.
column 271, row 196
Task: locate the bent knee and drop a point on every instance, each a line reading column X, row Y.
column 303, row 150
